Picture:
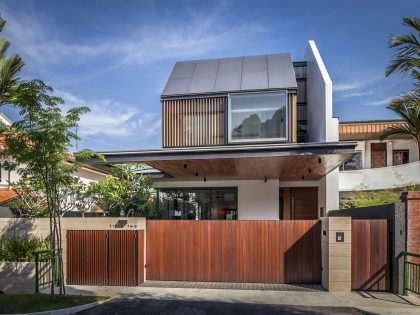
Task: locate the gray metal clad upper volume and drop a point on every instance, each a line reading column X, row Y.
column 237, row 74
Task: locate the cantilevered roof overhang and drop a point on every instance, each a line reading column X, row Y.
column 309, row 161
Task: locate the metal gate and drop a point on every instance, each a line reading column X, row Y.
column 234, row 251
column 370, row 255
column 105, row 257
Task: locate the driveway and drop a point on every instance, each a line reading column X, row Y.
column 137, row 305
column 197, row 301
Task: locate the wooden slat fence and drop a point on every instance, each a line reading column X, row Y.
column 234, row 251
column 370, row 255
column 87, row 257
column 105, row 257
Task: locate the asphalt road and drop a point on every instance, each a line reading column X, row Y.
column 137, row 305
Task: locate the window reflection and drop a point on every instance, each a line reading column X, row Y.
column 198, row 204
column 258, row 116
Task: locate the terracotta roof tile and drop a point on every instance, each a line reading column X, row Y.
column 7, row 195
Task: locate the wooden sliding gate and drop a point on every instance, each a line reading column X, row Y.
column 234, row 251
column 105, row 257
column 370, row 255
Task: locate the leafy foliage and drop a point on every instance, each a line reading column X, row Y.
column 10, row 68
column 406, row 60
column 407, row 107
column 407, row 50
column 364, row 198
column 21, row 248
column 125, row 192
column 31, row 203
column 39, row 145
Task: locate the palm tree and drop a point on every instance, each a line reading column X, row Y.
column 10, row 68
column 407, row 106
column 407, row 51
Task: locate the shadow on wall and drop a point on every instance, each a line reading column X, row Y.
column 17, row 277
column 302, row 261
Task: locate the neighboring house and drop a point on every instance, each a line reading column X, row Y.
column 378, row 164
column 87, row 174
column 246, row 138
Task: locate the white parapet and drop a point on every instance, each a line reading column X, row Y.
column 321, row 124
column 380, row 178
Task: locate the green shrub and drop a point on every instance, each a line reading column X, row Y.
column 364, row 198
column 21, row 248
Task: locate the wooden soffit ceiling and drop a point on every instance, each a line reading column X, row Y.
column 287, row 168
column 291, row 161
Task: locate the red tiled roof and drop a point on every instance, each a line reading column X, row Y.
column 7, row 195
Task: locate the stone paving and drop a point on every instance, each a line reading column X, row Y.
column 233, row 286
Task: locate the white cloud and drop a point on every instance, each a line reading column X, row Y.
column 340, row 87
column 356, row 94
column 202, row 34
column 381, row 102
column 112, row 119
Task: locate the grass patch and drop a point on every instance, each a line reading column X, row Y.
column 26, row 303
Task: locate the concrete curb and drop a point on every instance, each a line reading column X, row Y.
column 67, row 311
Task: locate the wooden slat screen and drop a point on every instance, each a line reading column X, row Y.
column 122, row 258
column 194, row 122
column 370, row 255
column 105, row 257
column 234, row 251
column 87, row 257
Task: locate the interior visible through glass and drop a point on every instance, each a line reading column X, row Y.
column 198, row 204
column 257, row 116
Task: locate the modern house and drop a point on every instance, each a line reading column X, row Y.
column 246, row 138
column 377, row 164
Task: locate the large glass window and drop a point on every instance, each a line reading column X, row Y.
column 198, row 204
column 258, row 117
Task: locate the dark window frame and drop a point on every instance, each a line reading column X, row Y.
column 404, row 151
column 186, row 189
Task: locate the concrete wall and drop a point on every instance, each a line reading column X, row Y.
column 17, row 277
column 336, row 256
column 40, row 227
column 321, row 124
column 258, row 200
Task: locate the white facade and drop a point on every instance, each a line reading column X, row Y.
column 391, row 176
column 322, row 126
column 86, row 175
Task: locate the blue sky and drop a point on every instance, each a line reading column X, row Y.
column 115, row 56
